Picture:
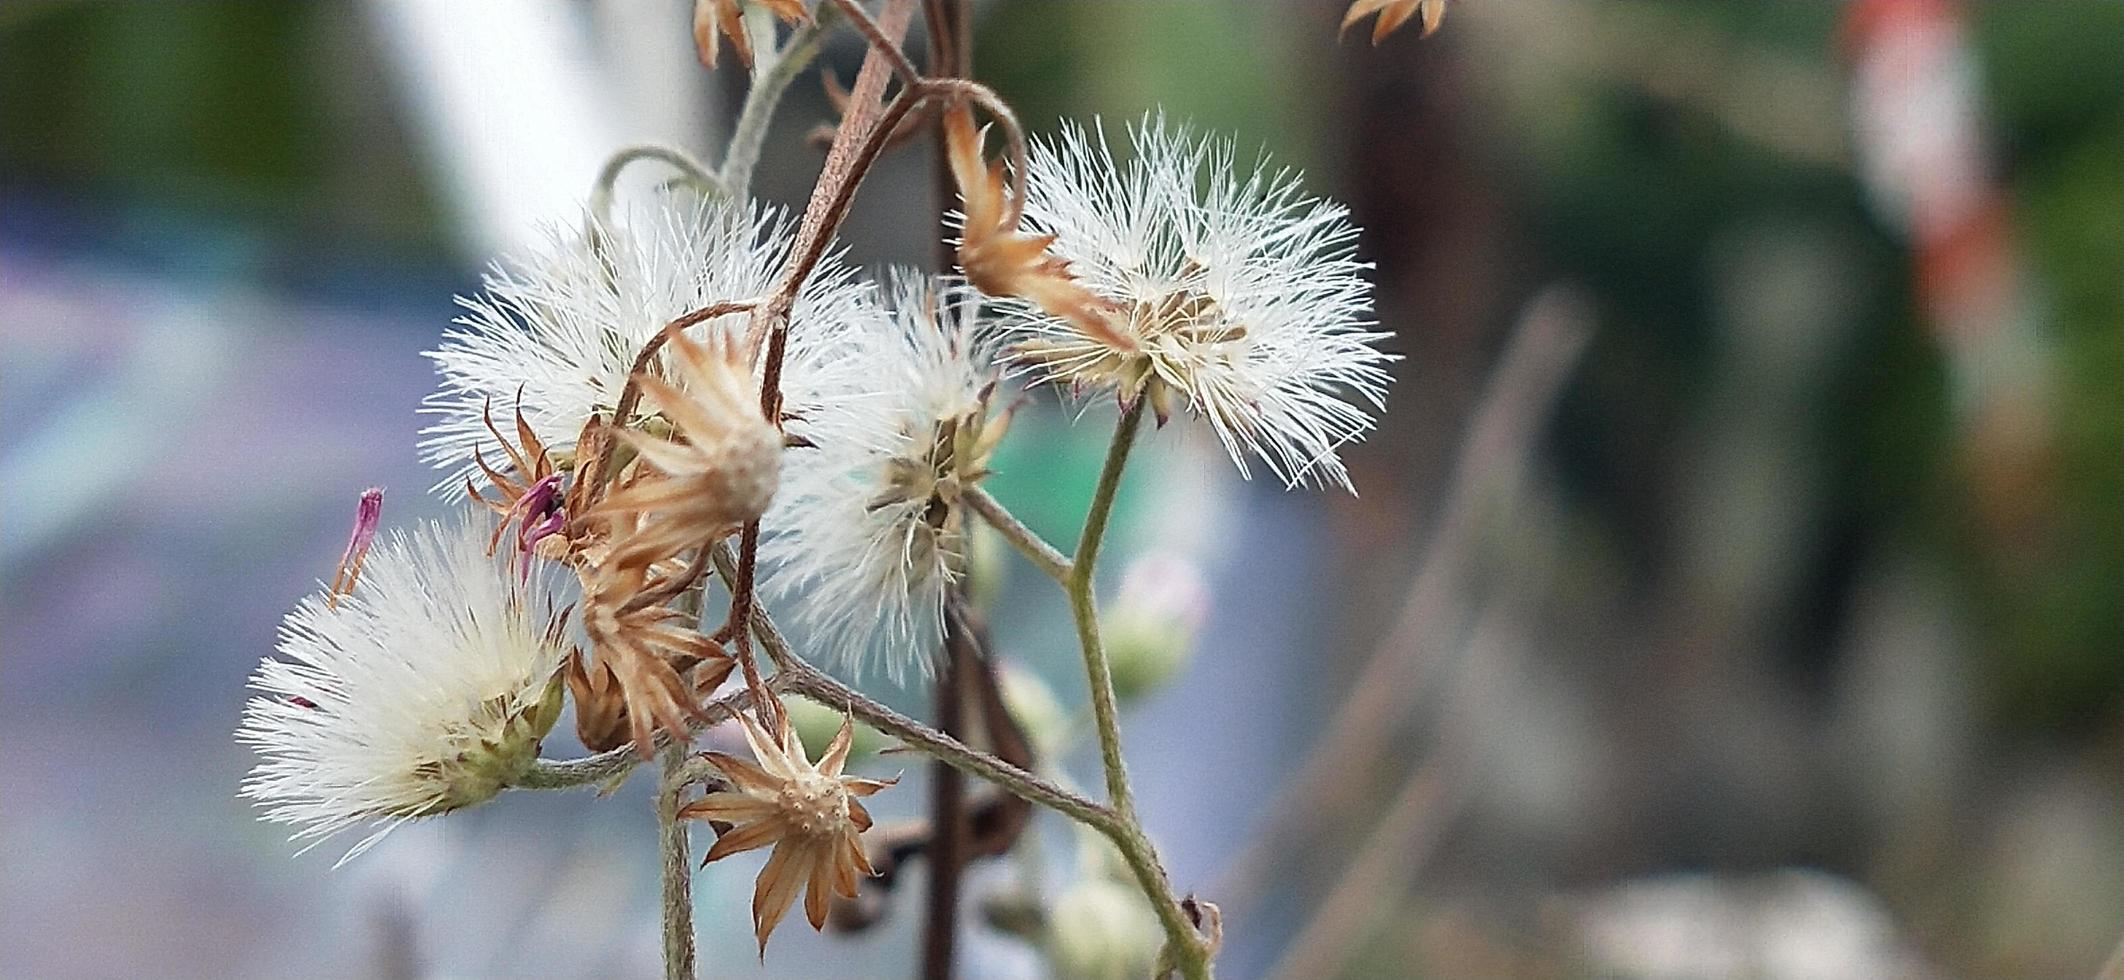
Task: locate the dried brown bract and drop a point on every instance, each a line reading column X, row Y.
column 1393, row 14
column 688, row 493
column 726, row 16
column 648, row 648
column 600, row 705
column 997, row 257
column 808, row 812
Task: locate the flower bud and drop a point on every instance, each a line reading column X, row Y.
column 817, row 724
column 1102, row 930
column 1151, row 627
column 1034, row 706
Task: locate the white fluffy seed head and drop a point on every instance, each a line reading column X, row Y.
column 557, row 330
column 1242, row 297
column 865, row 539
column 423, row 691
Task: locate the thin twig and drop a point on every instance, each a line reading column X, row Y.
column 795, row 675
column 601, row 769
column 1185, row 948
column 948, row 819
column 947, row 806
column 689, row 169
column 1043, row 556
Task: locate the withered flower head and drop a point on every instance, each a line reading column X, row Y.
column 648, row 648
column 726, row 16
column 600, row 705
column 529, row 496
column 997, row 257
column 1393, row 14
column 724, row 472
column 808, row 812
column 557, row 330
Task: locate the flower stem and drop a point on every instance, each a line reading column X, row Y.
column 677, row 865
column 1185, row 948
column 1025, row 539
column 1085, row 608
column 764, row 96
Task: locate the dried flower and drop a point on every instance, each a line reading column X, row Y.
column 647, row 646
column 866, row 536
column 1242, row 297
column 996, row 256
column 1151, row 626
column 426, row 690
column 557, row 332
column 808, row 812
column 722, row 475
column 528, row 496
column 600, row 706
column 726, row 16
column 1393, row 14
column 368, row 515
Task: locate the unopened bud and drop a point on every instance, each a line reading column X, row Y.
column 1102, row 930
column 817, row 724
column 1033, row 705
column 1150, row 629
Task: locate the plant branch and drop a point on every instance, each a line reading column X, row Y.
column 947, row 789
column 604, row 767
column 879, row 42
column 677, row 865
column 1185, row 949
column 1044, row 556
column 765, row 95
column 1189, row 953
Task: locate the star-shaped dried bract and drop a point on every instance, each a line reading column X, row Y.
column 808, row 812
column 1393, row 14
column 726, row 17
column 724, row 472
column 997, row 257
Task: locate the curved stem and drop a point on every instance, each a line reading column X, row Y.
column 1084, row 607
column 1044, row 556
column 677, row 865
column 1185, row 948
column 764, row 97
column 691, row 170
